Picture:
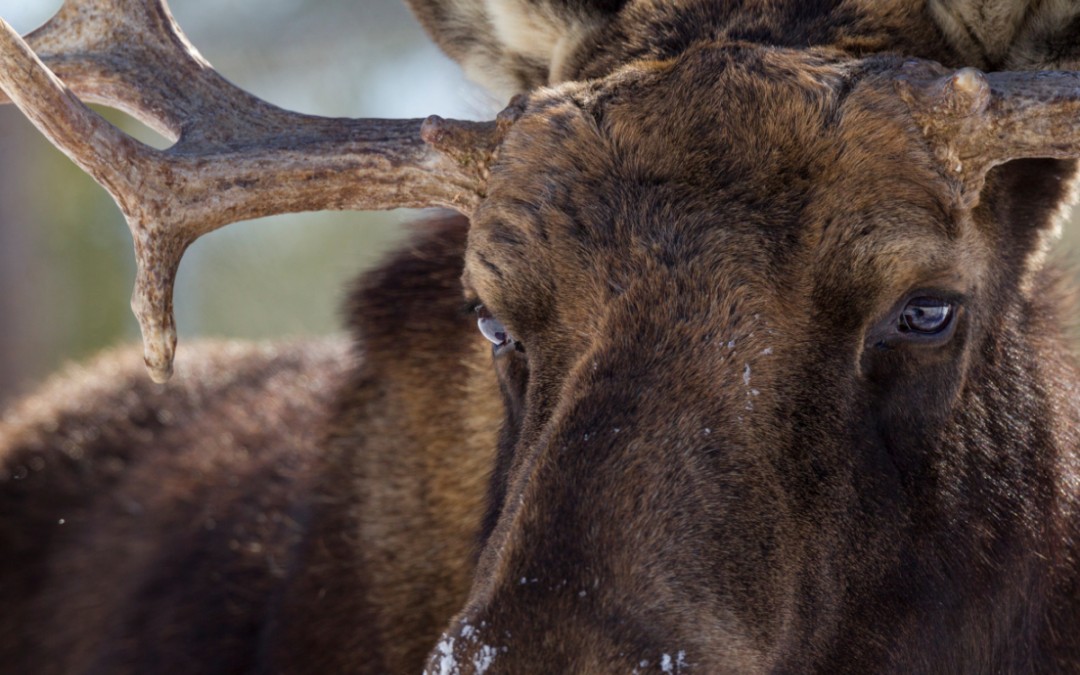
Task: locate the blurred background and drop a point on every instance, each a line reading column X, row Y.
column 66, row 264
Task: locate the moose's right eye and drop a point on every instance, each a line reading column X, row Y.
column 926, row 316
column 492, row 328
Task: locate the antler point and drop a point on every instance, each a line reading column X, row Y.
column 970, row 91
column 433, row 130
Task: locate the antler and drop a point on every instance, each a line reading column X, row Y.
column 976, row 121
column 235, row 156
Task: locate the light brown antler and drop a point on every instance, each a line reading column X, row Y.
column 235, row 156
column 977, row 121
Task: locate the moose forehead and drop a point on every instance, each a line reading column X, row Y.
column 773, row 162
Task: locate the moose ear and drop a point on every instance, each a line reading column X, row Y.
column 513, row 46
column 1011, row 34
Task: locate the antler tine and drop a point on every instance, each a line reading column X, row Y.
column 236, row 157
column 976, row 121
column 103, row 48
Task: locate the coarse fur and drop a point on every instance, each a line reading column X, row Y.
column 707, row 452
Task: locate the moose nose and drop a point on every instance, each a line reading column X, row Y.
column 600, row 522
column 615, row 515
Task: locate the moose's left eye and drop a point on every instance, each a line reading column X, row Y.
column 492, row 328
column 926, row 316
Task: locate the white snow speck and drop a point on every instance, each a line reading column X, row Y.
column 480, row 655
column 484, row 658
column 731, row 345
column 447, row 663
column 674, row 665
column 746, row 375
column 767, row 351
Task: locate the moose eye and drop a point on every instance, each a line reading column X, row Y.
column 926, row 316
column 492, row 328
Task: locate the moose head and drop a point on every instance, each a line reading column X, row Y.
column 783, row 376
column 746, row 304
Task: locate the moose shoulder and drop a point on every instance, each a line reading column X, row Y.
column 772, row 371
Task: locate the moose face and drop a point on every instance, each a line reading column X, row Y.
column 724, row 290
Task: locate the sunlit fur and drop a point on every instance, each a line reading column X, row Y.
column 699, row 462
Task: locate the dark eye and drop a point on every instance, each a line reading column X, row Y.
column 926, row 316
column 492, row 328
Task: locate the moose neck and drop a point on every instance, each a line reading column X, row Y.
column 407, row 461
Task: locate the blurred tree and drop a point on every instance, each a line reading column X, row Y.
column 14, row 258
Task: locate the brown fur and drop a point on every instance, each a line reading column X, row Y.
column 132, row 509
column 701, row 460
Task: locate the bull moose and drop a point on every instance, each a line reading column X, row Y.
column 773, row 370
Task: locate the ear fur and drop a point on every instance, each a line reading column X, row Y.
column 1012, row 34
column 512, row 46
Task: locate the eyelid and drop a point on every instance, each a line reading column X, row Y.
column 956, row 298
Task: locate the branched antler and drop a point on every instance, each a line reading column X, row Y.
column 235, row 156
column 977, row 121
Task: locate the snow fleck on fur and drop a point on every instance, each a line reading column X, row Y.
column 483, row 659
column 668, row 664
column 480, row 655
column 446, row 663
